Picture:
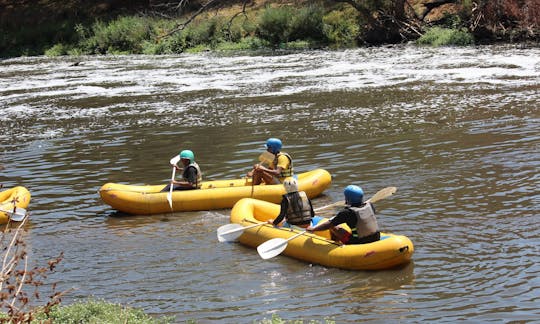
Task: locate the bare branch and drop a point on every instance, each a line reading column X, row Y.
column 183, row 25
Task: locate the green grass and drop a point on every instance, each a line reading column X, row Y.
column 96, row 311
column 438, row 36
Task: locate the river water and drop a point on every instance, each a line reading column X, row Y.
column 457, row 130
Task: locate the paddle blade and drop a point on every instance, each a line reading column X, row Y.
column 382, row 194
column 271, row 248
column 229, row 232
column 169, row 195
column 174, row 159
column 19, row 215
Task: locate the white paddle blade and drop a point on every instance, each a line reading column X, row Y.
column 175, row 159
column 19, row 215
column 272, row 248
column 229, row 232
column 169, row 194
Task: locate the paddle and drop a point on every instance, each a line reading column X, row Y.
column 18, row 215
column 231, row 232
column 381, row 194
column 173, row 161
column 275, row 246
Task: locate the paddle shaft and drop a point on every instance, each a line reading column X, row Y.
column 295, row 236
column 241, row 229
column 173, row 161
column 381, row 194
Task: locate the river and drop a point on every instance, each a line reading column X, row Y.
column 456, row 130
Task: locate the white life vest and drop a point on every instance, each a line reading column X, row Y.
column 366, row 223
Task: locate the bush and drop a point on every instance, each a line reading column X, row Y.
column 123, row 35
column 307, row 23
column 274, row 25
column 57, row 50
column 438, row 36
column 341, row 28
column 93, row 311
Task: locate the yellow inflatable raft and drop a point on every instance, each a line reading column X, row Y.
column 391, row 251
column 143, row 200
column 18, row 196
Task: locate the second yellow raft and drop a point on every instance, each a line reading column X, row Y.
column 391, row 251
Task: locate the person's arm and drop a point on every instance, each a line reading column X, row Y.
column 276, row 172
column 282, row 212
column 190, row 180
column 334, row 221
column 311, row 208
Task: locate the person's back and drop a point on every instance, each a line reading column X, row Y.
column 296, row 208
column 359, row 216
column 299, row 209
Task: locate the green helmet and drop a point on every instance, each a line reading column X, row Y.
column 187, row 154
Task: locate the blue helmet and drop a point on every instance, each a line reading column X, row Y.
column 274, row 144
column 353, row 195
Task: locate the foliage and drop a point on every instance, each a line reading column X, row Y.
column 307, row 23
column 280, row 24
column 341, row 28
column 122, row 35
column 209, row 31
column 98, row 311
column 278, row 320
column 438, row 36
column 274, row 25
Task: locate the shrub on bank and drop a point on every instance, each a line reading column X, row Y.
column 274, row 25
column 438, row 36
column 122, row 35
column 94, row 311
column 341, row 28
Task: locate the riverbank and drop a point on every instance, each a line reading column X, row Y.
column 142, row 27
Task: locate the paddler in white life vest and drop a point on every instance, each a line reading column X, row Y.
column 191, row 173
column 278, row 169
column 359, row 216
column 296, row 208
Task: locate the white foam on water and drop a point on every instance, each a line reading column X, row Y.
column 46, row 87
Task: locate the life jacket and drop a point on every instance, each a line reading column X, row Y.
column 199, row 173
column 303, row 216
column 366, row 223
column 285, row 172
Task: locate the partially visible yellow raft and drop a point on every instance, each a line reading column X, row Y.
column 18, row 196
column 143, row 200
column 391, row 251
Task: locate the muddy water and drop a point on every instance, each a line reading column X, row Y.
column 456, row 130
